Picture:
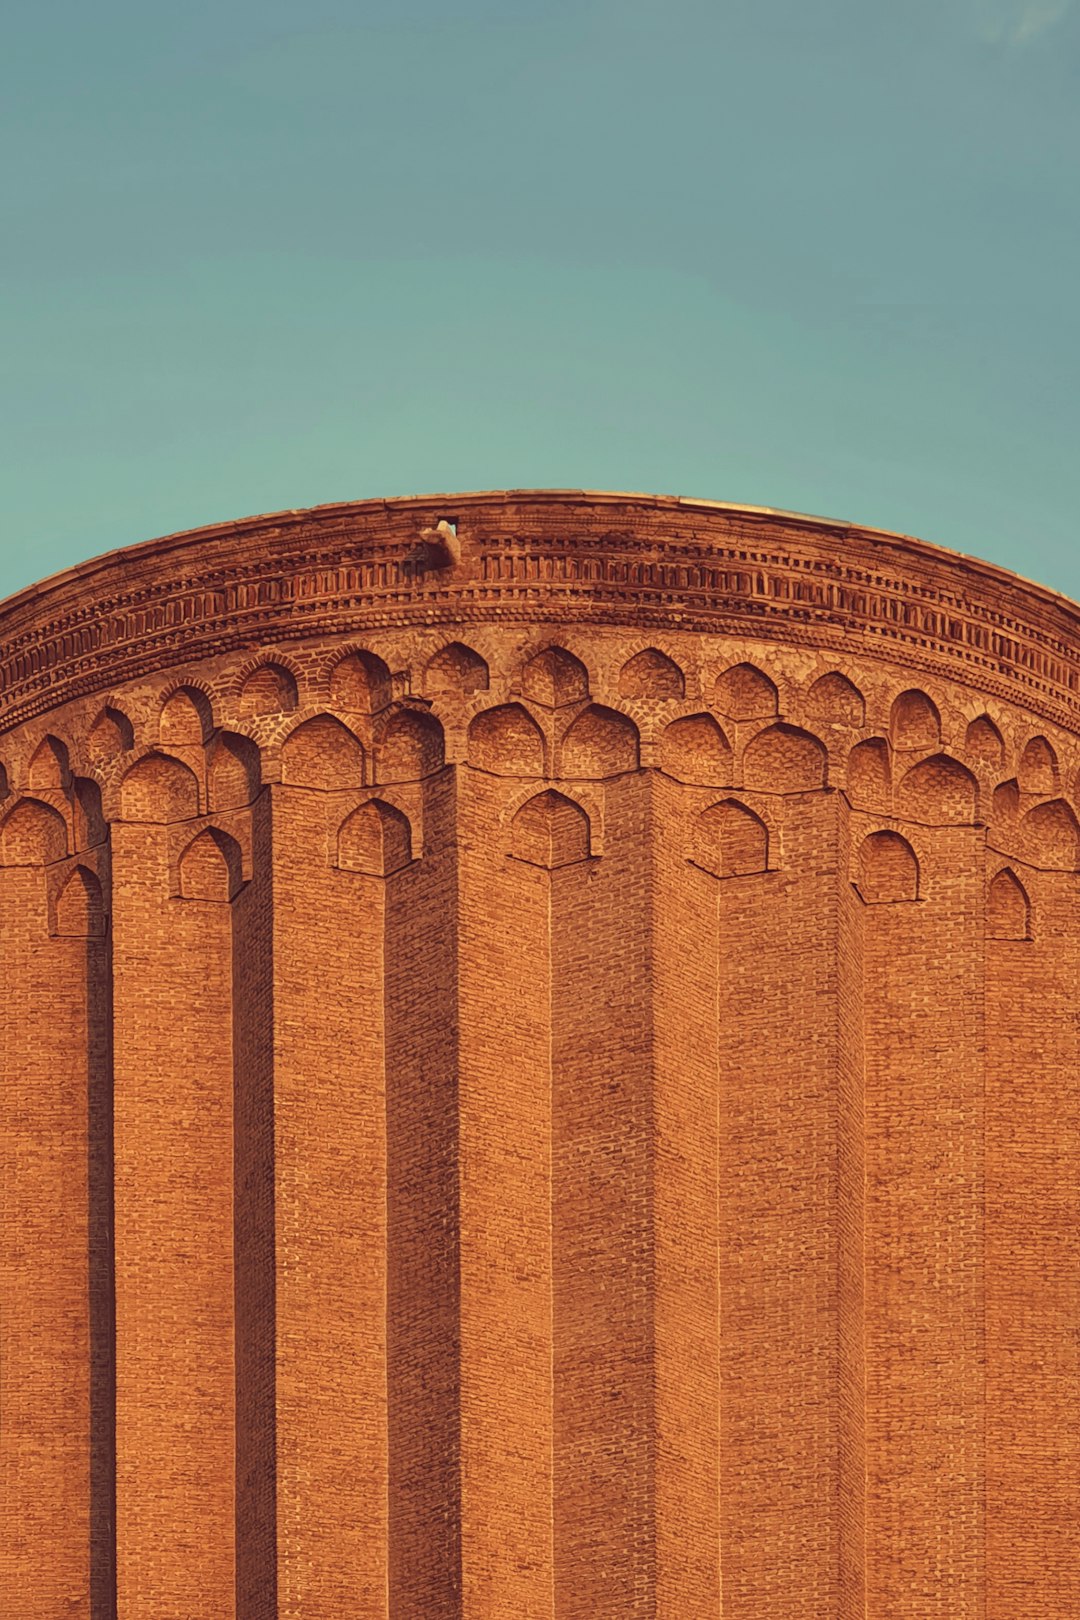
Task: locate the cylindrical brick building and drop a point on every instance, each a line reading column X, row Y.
column 540, row 1073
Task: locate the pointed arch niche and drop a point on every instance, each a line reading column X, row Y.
column 80, row 906
column 730, row 840
column 1008, row 909
column 550, row 830
column 888, row 869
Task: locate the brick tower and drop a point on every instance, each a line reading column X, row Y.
column 539, row 1073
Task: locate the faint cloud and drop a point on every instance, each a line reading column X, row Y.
column 1016, row 22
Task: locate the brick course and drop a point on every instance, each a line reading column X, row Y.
column 539, row 1073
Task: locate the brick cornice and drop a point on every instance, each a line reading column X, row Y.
column 534, row 556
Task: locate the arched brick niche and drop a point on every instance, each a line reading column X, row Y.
column 539, row 1080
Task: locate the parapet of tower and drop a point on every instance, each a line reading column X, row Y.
column 539, row 1073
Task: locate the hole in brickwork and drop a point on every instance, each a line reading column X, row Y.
column 110, row 735
column 731, row 841
column 235, row 775
column 914, row 722
column 32, row 834
column 869, row 782
column 211, row 868
column 375, row 839
column 1053, row 834
column 4, row 789
column 550, row 831
column 49, row 769
column 186, row 718
column 600, row 743
column 322, row 753
column 784, row 759
column 159, row 789
column 1038, row 771
column 888, row 869
column 80, row 909
column 937, row 790
column 270, row 689
column 835, row 701
column 1008, row 910
column 745, row 692
column 506, row 741
column 555, row 678
column 361, row 684
column 651, row 674
column 694, row 749
column 410, row 746
column 456, row 669
column 984, row 742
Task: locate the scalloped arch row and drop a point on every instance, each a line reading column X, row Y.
column 739, row 739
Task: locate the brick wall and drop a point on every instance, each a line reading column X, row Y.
column 530, row 1119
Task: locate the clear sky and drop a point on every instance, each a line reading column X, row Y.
column 815, row 254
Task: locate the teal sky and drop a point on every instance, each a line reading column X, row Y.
column 815, row 254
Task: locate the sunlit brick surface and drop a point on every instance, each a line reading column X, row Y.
column 540, row 1073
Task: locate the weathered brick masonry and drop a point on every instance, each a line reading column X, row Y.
column 540, row 1073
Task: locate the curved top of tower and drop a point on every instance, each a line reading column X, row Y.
column 533, row 556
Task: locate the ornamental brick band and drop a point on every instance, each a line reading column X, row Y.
column 539, row 1073
column 534, row 557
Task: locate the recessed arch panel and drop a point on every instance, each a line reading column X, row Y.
column 507, row 742
column 745, row 692
column 938, row 790
column 322, row 753
column 555, row 678
column 984, row 742
column 1008, row 909
column 833, row 700
column 49, row 770
column 186, row 718
column 783, row 759
column 375, row 839
column 211, row 867
column 731, row 840
column 269, row 689
column 87, row 815
column 159, row 788
column 234, row 775
column 456, row 670
column 1053, row 835
column 869, row 775
column 914, row 721
column 651, row 674
column 550, row 830
column 695, row 749
column 601, row 742
column 888, row 869
column 111, row 734
column 80, row 907
column 360, row 684
column 409, row 747
column 32, row 834
column 1006, row 801
column 1038, row 772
